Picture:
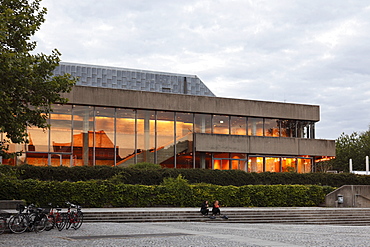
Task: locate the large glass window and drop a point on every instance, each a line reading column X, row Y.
column 255, row 164
column 238, row 125
column 272, row 127
column 203, row 160
column 166, row 138
column 288, row 128
column 145, row 136
column 104, row 139
column 272, row 164
column 125, row 136
column 304, row 165
column 184, row 140
column 255, row 126
column 61, row 134
column 221, row 161
column 221, row 124
column 203, row 123
column 83, row 136
column 238, row 161
column 288, row 164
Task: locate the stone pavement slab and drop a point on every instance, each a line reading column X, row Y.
column 194, row 234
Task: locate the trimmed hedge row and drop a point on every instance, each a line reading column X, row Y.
column 156, row 176
column 106, row 193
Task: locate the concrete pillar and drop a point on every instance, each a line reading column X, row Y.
column 350, row 166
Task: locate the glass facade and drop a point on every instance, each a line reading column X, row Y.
column 92, row 136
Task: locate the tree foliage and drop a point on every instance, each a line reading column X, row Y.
column 27, row 86
column 355, row 146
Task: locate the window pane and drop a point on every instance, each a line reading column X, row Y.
column 272, row 164
column 289, row 165
column 288, row 128
column 104, row 136
column 125, row 136
column 202, row 123
column 203, row 160
column 184, row 140
column 60, row 135
column 83, row 142
column 145, row 136
column 255, row 164
column 255, row 126
column 238, row 125
column 221, row 124
column 304, row 165
column 165, row 137
column 38, row 146
column 272, row 127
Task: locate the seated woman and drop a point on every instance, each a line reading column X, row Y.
column 216, row 208
column 204, row 208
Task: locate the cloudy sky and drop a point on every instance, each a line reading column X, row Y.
column 297, row 51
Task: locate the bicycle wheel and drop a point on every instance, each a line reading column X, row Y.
column 78, row 219
column 50, row 223
column 59, row 221
column 67, row 220
column 39, row 223
column 2, row 224
column 18, row 224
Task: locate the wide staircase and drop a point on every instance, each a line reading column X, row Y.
column 332, row 216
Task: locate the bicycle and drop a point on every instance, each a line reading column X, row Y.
column 2, row 224
column 34, row 219
column 55, row 219
column 73, row 218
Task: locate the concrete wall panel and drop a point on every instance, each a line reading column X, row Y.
column 191, row 103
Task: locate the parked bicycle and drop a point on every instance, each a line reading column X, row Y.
column 2, row 224
column 74, row 216
column 34, row 219
column 55, row 219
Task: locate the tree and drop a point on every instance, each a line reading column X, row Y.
column 27, row 86
column 355, row 146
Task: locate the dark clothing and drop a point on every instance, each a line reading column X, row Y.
column 204, row 209
column 216, row 210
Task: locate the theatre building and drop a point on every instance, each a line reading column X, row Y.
column 118, row 117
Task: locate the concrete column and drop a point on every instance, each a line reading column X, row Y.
column 350, row 166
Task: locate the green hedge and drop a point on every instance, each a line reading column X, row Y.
column 156, row 176
column 175, row 192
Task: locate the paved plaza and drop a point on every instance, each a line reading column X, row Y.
column 194, row 234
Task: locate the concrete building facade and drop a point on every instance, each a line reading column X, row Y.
column 119, row 117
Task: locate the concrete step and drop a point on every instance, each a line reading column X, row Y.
column 285, row 216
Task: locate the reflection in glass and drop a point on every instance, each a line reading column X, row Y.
column 255, row 126
column 221, row 124
column 61, row 134
column 125, row 136
column 203, row 123
column 83, row 136
column 165, row 137
column 184, row 140
column 238, row 125
column 104, row 136
column 272, row 127
column 145, row 136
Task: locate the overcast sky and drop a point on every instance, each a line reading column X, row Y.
column 296, row 51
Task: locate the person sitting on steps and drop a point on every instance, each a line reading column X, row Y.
column 216, row 208
column 204, row 208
